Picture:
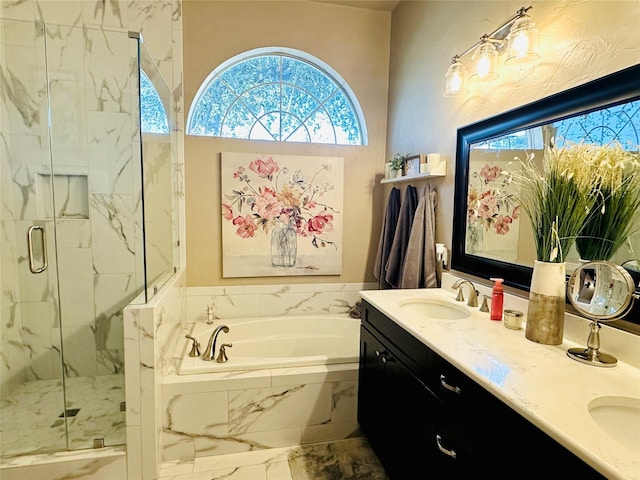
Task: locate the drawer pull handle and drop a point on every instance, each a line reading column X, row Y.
column 446, row 451
column 382, row 355
column 451, row 388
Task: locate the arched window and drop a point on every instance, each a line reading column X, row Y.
column 281, row 95
column 153, row 115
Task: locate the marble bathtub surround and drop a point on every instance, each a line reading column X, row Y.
column 245, row 410
column 257, row 410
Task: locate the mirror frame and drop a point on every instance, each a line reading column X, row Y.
column 613, row 89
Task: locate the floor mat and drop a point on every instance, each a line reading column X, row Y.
column 351, row 459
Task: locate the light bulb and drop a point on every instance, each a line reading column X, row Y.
column 483, row 66
column 520, row 44
column 522, row 41
column 456, row 79
column 485, row 58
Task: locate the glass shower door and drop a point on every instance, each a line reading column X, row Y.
column 31, row 381
column 95, row 178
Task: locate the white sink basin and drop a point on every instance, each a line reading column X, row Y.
column 619, row 417
column 433, row 308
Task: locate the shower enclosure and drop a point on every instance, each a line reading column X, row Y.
column 88, row 225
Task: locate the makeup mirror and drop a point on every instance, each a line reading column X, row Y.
column 602, row 292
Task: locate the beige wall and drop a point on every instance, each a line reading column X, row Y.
column 354, row 42
column 579, row 41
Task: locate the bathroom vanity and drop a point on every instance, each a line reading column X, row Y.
column 461, row 394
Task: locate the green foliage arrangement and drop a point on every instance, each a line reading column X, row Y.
column 587, row 194
column 398, row 161
column 616, row 187
column 556, row 199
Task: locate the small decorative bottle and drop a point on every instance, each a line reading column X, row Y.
column 284, row 245
column 497, row 297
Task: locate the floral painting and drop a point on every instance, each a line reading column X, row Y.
column 492, row 209
column 281, row 215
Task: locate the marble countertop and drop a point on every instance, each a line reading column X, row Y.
column 538, row 381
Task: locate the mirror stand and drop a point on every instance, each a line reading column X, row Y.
column 592, row 355
column 601, row 291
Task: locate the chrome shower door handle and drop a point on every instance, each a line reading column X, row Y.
column 43, row 238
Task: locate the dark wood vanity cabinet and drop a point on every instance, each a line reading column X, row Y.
column 421, row 414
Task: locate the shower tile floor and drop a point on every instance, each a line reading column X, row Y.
column 31, row 421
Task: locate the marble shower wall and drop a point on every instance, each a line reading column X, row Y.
column 91, row 64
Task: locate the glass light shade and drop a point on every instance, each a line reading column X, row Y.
column 456, row 82
column 485, row 61
column 522, row 41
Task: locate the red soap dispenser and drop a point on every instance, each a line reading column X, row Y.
column 497, row 298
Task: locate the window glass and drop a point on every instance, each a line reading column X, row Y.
column 152, row 112
column 279, row 97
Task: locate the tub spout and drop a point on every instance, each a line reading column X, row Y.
column 210, row 351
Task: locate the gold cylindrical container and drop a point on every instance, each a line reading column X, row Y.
column 513, row 319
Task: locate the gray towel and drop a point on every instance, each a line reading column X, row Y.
column 386, row 238
column 419, row 269
column 395, row 261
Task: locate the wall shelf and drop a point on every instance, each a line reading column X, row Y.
column 408, row 178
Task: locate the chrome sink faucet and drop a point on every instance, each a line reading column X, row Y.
column 210, row 351
column 473, row 294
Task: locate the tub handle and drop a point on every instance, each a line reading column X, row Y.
column 222, row 356
column 195, row 346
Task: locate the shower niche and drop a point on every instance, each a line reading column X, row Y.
column 71, row 198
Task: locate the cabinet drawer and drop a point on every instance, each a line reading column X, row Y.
column 438, row 375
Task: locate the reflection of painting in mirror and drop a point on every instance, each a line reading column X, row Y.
column 493, row 221
column 618, row 123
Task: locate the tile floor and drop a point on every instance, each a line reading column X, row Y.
column 270, row 464
column 31, row 422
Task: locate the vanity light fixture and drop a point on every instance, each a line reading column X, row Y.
column 517, row 38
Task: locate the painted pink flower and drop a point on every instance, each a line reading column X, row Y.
column 246, row 226
column 320, row 223
column 488, row 205
column 502, row 224
column 489, row 172
column 267, row 204
column 516, row 212
column 227, row 212
column 238, row 172
column 264, row 168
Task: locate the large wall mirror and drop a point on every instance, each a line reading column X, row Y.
column 496, row 240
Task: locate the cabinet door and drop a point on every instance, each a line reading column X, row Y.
column 396, row 412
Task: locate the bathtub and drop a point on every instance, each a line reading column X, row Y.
column 276, row 342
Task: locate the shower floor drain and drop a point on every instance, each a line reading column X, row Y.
column 69, row 412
